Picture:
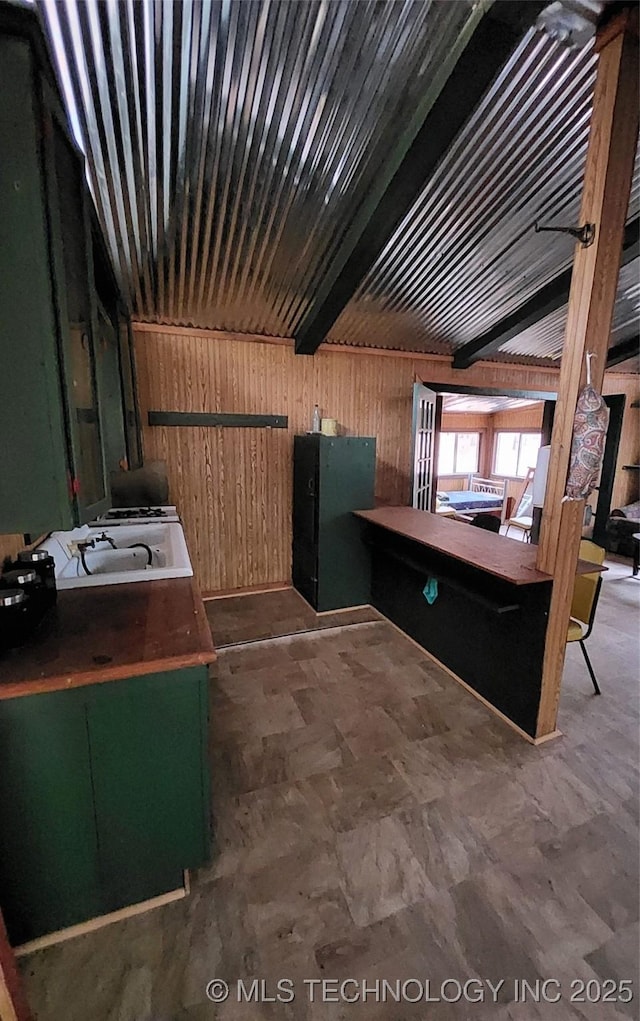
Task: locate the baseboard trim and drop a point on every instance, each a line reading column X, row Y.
column 343, row 609
column 251, row 590
column 92, row 924
column 315, row 632
column 472, row 691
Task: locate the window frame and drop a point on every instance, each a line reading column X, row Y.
column 456, row 433
column 520, row 433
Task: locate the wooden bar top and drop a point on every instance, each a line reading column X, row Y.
column 508, row 559
column 108, row 633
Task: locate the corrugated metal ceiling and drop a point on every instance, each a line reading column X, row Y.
column 466, row 255
column 230, row 142
column 545, row 340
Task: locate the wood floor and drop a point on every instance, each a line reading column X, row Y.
column 262, row 615
column 374, row 821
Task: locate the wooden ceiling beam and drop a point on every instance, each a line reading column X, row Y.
column 480, row 52
column 624, row 349
column 548, row 299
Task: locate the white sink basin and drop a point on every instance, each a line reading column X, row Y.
column 108, row 566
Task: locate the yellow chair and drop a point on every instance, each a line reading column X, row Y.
column 586, row 591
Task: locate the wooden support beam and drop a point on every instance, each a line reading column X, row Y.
column 605, row 198
column 13, row 1005
column 624, row 349
column 484, row 43
column 548, row 299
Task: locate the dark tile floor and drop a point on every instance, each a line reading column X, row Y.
column 374, row 821
column 249, row 618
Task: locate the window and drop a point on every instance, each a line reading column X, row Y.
column 458, row 453
column 515, row 453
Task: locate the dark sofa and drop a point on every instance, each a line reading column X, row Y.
column 621, row 526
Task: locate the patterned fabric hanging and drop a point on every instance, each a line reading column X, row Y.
column 587, row 447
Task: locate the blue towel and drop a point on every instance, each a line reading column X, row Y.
column 430, row 591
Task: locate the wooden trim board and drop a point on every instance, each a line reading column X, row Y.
column 314, row 632
column 52, row 938
column 252, row 590
column 13, row 1002
column 341, row 609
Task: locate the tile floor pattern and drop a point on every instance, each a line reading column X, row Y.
column 375, row 821
column 273, row 614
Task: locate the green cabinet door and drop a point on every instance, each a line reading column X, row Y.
column 49, row 874
column 34, row 491
column 110, row 393
column 72, row 272
column 148, row 752
column 346, row 483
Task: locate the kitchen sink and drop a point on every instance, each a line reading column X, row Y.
column 142, row 553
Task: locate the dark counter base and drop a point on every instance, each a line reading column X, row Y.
column 488, row 632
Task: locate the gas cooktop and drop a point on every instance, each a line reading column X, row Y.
column 136, row 515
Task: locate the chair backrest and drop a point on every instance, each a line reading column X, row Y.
column 489, row 521
column 586, row 586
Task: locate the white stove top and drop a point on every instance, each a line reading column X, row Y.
column 136, row 516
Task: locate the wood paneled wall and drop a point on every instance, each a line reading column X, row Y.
column 626, row 487
column 514, row 419
column 10, row 546
column 233, row 486
column 518, row 419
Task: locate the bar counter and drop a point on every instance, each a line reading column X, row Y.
column 487, row 618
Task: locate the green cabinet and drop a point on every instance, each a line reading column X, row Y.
column 148, row 761
column 104, row 797
column 332, row 477
column 34, row 454
column 110, row 391
column 48, row 840
column 78, row 338
column 67, row 378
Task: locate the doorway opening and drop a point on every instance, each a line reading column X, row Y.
column 475, row 448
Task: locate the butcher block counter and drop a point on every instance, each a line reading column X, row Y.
column 111, row 632
column 473, row 599
column 104, row 765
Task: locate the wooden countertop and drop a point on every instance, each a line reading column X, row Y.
column 110, row 632
column 508, row 559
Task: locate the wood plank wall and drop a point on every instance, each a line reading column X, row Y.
column 514, row 419
column 233, row 486
column 626, row 487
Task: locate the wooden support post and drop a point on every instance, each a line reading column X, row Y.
column 605, row 199
column 13, row 1005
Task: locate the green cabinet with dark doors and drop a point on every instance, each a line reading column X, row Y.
column 332, row 477
column 104, row 797
column 67, row 382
